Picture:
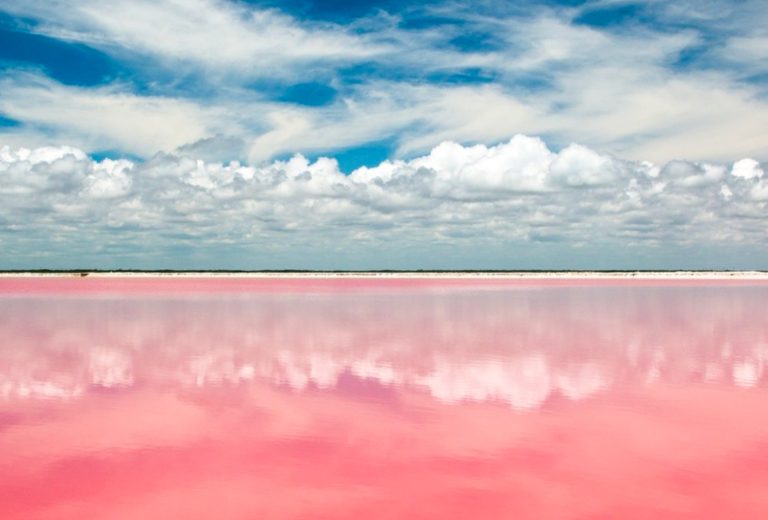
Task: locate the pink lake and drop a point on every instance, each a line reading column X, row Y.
column 374, row 398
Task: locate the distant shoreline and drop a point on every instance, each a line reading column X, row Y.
column 682, row 274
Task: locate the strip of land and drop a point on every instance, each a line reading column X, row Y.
column 711, row 275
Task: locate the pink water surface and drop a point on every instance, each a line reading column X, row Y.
column 382, row 398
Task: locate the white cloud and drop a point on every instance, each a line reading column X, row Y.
column 751, row 50
column 747, row 169
column 615, row 91
column 513, row 193
column 579, row 166
column 105, row 118
column 220, row 36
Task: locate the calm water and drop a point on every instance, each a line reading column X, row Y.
column 139, row 399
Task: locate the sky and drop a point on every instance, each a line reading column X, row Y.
column 221, row 134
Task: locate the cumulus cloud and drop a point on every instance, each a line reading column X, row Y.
column 747, row 169
column 516, row 192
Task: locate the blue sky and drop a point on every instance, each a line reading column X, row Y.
column 137, row 110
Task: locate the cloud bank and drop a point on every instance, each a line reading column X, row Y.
column 511, row 196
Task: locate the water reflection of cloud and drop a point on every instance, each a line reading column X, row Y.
column 110, row 368
column 349, row 406
column 517, row 347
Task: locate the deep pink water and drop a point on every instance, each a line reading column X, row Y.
column 382, row 398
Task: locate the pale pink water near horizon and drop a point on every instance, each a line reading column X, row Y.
column 383, row 398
